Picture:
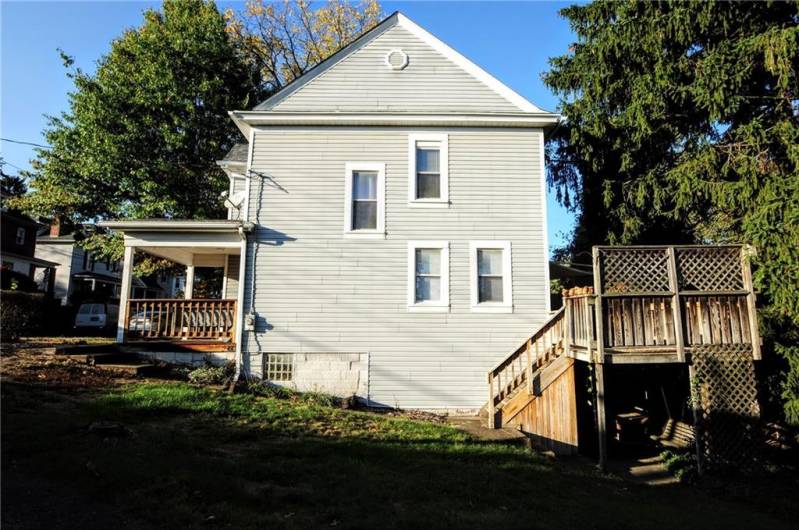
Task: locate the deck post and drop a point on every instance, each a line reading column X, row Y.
column 124, row 293
column 601, row 421
column 676, row 310
column 189, row 291
column 754, row 330
column 695, row 397
column 491, row 401
column 598, row 317
column 566, row 334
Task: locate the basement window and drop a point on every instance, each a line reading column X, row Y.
column 279, row 367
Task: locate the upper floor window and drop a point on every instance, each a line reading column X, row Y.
column 365, row 199
column 88, row 261
column 428, row 164
column 428, row 275
column 492, row 284
column 21, row 233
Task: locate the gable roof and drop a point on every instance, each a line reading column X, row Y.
column 485, row 94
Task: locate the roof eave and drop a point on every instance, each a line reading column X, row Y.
column 247, row 119
column 172, row 225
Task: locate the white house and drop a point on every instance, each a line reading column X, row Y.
column 388, row 220
column 81, row 276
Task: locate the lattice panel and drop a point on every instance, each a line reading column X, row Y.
column 724, row 390
column 634, row 270
column 710, row 269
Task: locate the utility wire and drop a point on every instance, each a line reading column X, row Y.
column 25, row 143
column 3, row 162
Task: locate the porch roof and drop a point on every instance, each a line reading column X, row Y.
column 177, row 225
column 203, row 243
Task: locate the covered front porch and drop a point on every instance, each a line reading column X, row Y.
column 204, row 318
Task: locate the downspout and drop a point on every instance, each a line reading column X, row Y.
column 243, row 231
column 239, row 357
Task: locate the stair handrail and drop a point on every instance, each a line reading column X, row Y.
column 524, row 372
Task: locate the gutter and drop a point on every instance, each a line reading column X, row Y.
column 173, row 225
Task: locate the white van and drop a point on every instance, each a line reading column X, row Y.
column 96, row 316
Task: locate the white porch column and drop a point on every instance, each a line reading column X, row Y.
column 189, row 291
column 124, row 292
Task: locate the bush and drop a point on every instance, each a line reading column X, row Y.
column 20, row 313
column 16, row 281
column 680, row 464
column 266, row 389
column 320, row 398
column 211, row 375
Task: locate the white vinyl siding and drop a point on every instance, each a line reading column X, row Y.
column 232, row 277
column 319, row 291
column 363, row 82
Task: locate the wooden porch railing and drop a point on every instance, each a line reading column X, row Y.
column 517, row 369
column 170, row 319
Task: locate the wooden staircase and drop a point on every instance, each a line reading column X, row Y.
column 533, row 390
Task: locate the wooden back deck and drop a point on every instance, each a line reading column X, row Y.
column 653, row 304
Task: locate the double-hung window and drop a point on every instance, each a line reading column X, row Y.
column 21, row 234
column 492, row 284
column 428, row 170
column 428, row 276
column 364, row 210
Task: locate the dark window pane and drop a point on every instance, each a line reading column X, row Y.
column 428, row 186
column 364, row 185
column 428, row 160
column 364, row 215
column 490, row 289
column 428, row 288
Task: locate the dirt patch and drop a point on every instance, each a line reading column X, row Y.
column 25, row 364
column 419, row 415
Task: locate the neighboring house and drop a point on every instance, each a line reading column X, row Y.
column 387, row 216
column 18, row 246
column 80, row 276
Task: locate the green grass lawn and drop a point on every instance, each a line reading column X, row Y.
column 197, row 457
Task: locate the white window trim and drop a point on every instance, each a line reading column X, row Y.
column 443, row 201
column 434, row 307
column 506, row 306
column 21, row 231
column 380, row 168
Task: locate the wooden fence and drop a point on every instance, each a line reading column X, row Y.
column 168, row 319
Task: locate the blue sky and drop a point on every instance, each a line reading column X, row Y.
column 511, row 40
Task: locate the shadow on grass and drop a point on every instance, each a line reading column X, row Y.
column 191, row 457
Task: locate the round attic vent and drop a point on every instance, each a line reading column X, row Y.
column 397, row 59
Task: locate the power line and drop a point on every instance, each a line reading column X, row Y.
column 3, row 162
column 25, row 143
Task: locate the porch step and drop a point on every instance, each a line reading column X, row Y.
column 131, row 369
column 107, row 357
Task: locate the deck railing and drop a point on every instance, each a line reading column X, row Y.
column 648, row 304
column 169, row 319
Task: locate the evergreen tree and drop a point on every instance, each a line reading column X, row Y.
column 683, row 126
